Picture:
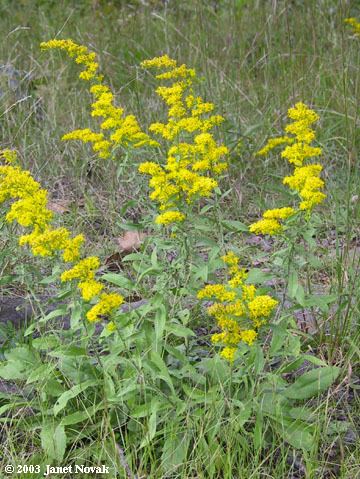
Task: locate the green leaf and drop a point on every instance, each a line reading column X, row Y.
column 295, row 289
column 292, row 366
column 134, row 257
column 314, row 360
column 234, row 226
column 179, row 330
column 75, row 317
column 53, row 388
column 243, row 411
column 278, row 338
column 258, row 432
column 7, row 279
column 256, row 276
column 216, row 369
column 69, row 351
column 119, row 280
column 199, row 396
column 49, row 341
column 297, row 433
column 19, row 362
column 126, row 387
column 39, row 373
column 70, row 394
column 257, row 354
column 201, row 272
column 321, row 301
column 160, row 321
column 80, row 416
column 154, row 258
column 152, row 423
column 293, row 345
column 175, row 449
column 312, row 383
column 303, row 413
column 11, row 405
column 61, row 311
column 160, row 367
column 53, row 441
column 12, row 370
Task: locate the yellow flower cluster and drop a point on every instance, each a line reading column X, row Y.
column 306, row 179
column 107, row 304
column 238, row 311
column 29, row 209
column 355, row 24
column 194, row 159
column 81, row 54
column 116, row 128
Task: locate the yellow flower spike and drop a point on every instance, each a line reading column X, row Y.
column 16, row 184
column 300, row 112
column 84, row 270
column 89, row 289
column 279, row 213
column 266, row 227
column 170, row 217
column 305, row 180
column 107, row 304
column 273, row 143
column 298, row 179
column 72, row 248
column 248, row 292
column 10, row 156
column 116, row 128
column 235, row 308
column 81, row 54
column 29, row 209
column 150, row 168
column 218, row 291
column 177, row 72
column 192, row 166
column 355, row 24
column 261, row 306
column 230, row 259
column 47, row 243
column 159, row 62
column 237, row 279
column 228, row 353
column 298, row 152
column 217, row 338
column 249, row 336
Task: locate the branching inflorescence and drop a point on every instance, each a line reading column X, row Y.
column 305, row 179
column 116, row 128
column 238, row 310
column 29, row 209
column 194, row 159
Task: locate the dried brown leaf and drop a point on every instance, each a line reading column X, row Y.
column 59, row 206
column 130, row 241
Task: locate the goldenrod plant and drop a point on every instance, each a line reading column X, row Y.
column 239, row 312
column 29, row 209
column 194, row 160
column 135, row 383
column 305, row 180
